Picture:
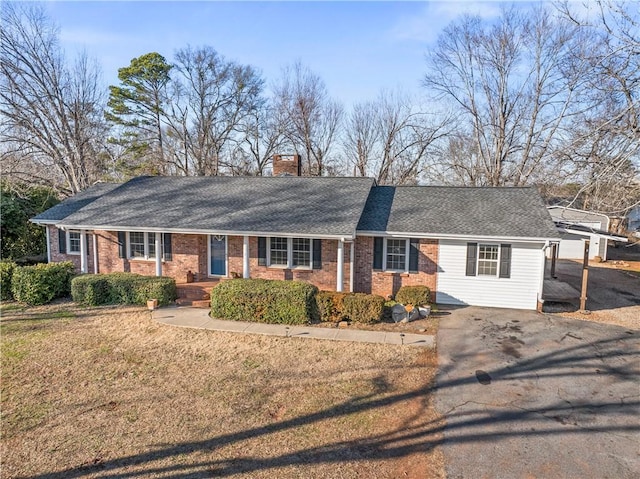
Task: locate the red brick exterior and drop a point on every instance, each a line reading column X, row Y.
column 57, row 257
column 387, row 283
column 190, row 253
column 324, row 278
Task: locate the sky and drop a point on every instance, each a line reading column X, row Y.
column 358, row 48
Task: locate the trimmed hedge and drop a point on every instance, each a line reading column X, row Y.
column 122, row 288
column 415, row 295
column 330, row 306
column 42, row 283
column 6, row 272
column 363, row 308
column 265, row 301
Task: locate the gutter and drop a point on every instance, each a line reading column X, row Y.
column 515, row 239
column 205, row 231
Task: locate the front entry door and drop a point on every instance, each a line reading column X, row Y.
column 218, row 255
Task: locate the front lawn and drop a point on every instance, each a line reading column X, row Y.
column 95, row 392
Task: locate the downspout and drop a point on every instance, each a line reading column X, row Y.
column 546, row 246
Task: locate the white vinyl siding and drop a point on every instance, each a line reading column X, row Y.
column 520, row 291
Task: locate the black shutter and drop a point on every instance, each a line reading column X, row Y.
column 378, row 245
column 62, row 241
column 166, row 247
column 122, row 244
column 317, row 254
column 262, row 251
column 472, row 253
column 414, row 251
column 86, row 237
column 505, row 260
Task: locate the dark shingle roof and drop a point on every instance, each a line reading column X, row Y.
column 73, row 204
column 288, row 205
column 439, row 210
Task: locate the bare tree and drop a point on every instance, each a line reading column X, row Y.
column 261, row 136
column 605, row 146
column 391, row 139
column 510, row 83
column 51, row 113
column 212, row 96
column 311, row 118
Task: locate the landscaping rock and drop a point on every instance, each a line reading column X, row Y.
column 398, row 313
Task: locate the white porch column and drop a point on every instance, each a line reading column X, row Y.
column 83, row 252
column 158, row 254
column 95, row 253
column 48, row 244
column 245, row 257
column 340, row 262
column 352, row 263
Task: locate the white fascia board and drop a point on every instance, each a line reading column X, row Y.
column 621, row 239
column 204, row 231
column 43, row 222
column 513, row 239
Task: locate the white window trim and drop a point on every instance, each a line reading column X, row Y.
column 226, row 257
column 406, row 259
column 68, row 238
column 146, row 246
column 497, row 261
column 289, row 264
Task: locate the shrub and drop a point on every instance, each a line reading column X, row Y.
column 42, row 283
column 265, row 301
column 363, row 308
column 6, row 272
column 122, row 288
column 415, row 295
column 330, row 306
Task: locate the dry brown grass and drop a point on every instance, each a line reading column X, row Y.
column 106, row 392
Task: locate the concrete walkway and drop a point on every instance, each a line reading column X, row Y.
column 199, row 318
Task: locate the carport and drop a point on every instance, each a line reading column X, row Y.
column 555, row 290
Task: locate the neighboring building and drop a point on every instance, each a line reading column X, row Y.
column 476, row 246
column 572, row 244
column 633, row 219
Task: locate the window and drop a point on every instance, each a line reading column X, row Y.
column 136, row 245
column 143, row 245
column 301, row 255
column 278, row 252
column 73, row 240
column 488, row 259
column 290, row 252
column 396, row 254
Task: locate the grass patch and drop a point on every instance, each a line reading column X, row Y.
column 111, row 389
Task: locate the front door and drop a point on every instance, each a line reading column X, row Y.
column 217, row 255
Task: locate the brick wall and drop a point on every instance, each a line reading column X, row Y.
column 324, row 278
column 57, row 257
column 386, row 283
column 189, row 253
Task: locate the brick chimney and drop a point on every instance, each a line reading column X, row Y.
column 286, row 165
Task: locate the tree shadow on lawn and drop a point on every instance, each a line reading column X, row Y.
column 415, row 435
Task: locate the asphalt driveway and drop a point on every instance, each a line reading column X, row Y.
column 527, row 395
